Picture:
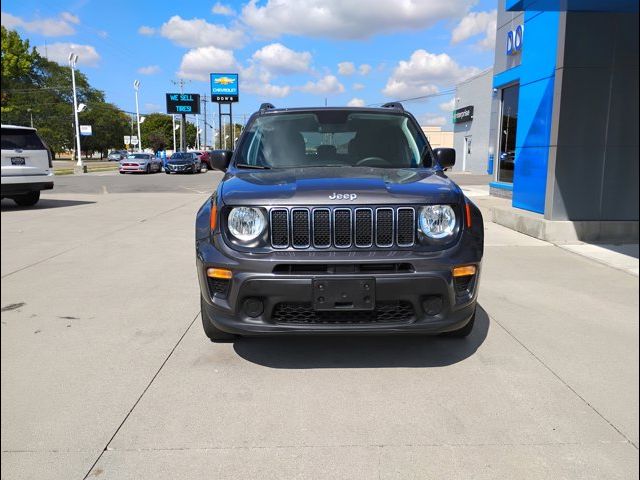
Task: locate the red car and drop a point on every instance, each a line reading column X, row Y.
column 204, row 158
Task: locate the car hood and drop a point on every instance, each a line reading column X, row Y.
column 134, row 160
column 323, row 186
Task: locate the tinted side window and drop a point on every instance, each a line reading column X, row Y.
column 17, row 138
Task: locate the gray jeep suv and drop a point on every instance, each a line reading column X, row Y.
column 333, row 221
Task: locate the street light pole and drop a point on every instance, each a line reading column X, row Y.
column 136, row 86
column 73, row 59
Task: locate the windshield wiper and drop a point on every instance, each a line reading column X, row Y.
column 257, row 167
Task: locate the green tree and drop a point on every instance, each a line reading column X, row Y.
column 159, row 127
column 109, row 125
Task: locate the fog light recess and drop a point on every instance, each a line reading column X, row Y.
column 253, row 307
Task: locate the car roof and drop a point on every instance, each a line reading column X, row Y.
column 17, row 126
column 345, row 109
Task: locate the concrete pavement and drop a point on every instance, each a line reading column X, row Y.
column 106, row 373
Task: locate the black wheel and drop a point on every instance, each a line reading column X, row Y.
column 215, row 334
column 167, row 172
column 121, row 173
column 464, row 331
column 148, row 169
column 27, row 199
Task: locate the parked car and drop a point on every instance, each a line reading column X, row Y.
column 141, row 163
column 203, row 155
column 337, row 220
column 183, row 162
column 117, row 155
column 27, row 165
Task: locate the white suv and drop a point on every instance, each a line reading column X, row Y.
column 27, row 165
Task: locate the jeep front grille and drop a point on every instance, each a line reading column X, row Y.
column 342, row 228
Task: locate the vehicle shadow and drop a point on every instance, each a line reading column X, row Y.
column 392, row 351
column 9, row 205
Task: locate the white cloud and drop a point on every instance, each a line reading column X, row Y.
column 220, row 9
column 70, row 17
column 347, row 19
column 423, row 72
column 59, row 53
column 148, row 31
column 448, row 106
column 198, row 63
column 431, row 120
column 278, row 59
column 326, row 85
column 476, row 23
column 355, row 102
column 364, row 69
column 49, row 27
column 346, row 68
column 358, row 86
column 256, row 79
column 268, row 90
column 149, row 70
column 199, row 33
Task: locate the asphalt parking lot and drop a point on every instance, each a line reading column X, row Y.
column 107, row 374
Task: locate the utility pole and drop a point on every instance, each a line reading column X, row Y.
column 173, row 123
column 204, row 101
column 183, row 118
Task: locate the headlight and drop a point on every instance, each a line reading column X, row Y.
column 437, row 221
column 246, row 223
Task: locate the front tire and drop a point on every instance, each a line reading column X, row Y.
column 167, row 172
column 148, row 169
column 27, row 199
column 210, row 330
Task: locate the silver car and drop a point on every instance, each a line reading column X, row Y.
column 141, row 163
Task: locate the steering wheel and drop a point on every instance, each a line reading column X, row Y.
column 373, row 162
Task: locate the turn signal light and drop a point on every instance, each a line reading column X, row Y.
column 467, row 211
column 464, row 271
column 222, row 273
column 213, row 217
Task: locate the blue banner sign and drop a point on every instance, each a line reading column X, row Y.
column 224, row 87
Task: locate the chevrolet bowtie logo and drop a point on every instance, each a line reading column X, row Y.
column 224, row 80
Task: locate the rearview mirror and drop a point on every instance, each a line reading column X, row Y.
column 220, row 159
column 446, row 157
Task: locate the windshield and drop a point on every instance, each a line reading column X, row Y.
column 332, row 138
column 141, row 156
column 181, row 156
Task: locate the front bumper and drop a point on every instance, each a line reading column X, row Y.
column 179, row 168
column 429, row 279
column 133, row 168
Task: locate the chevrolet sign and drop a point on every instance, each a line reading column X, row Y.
column 224, row 87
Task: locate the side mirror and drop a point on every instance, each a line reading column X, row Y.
column 220, row 159
column 446, row 157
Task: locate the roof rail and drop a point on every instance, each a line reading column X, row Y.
column 267, row 106
column 395, row 105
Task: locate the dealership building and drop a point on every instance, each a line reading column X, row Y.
column 556, row 120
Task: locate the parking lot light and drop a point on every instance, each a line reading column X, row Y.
column 136, row 87
column 73, row 59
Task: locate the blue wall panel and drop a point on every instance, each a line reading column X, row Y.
column 535, row 106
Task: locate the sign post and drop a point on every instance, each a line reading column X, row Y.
column 224, row 90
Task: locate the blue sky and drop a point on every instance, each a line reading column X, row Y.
column 288, row 52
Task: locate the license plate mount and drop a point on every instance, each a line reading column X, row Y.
column 344, row 294
column 18, row 161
